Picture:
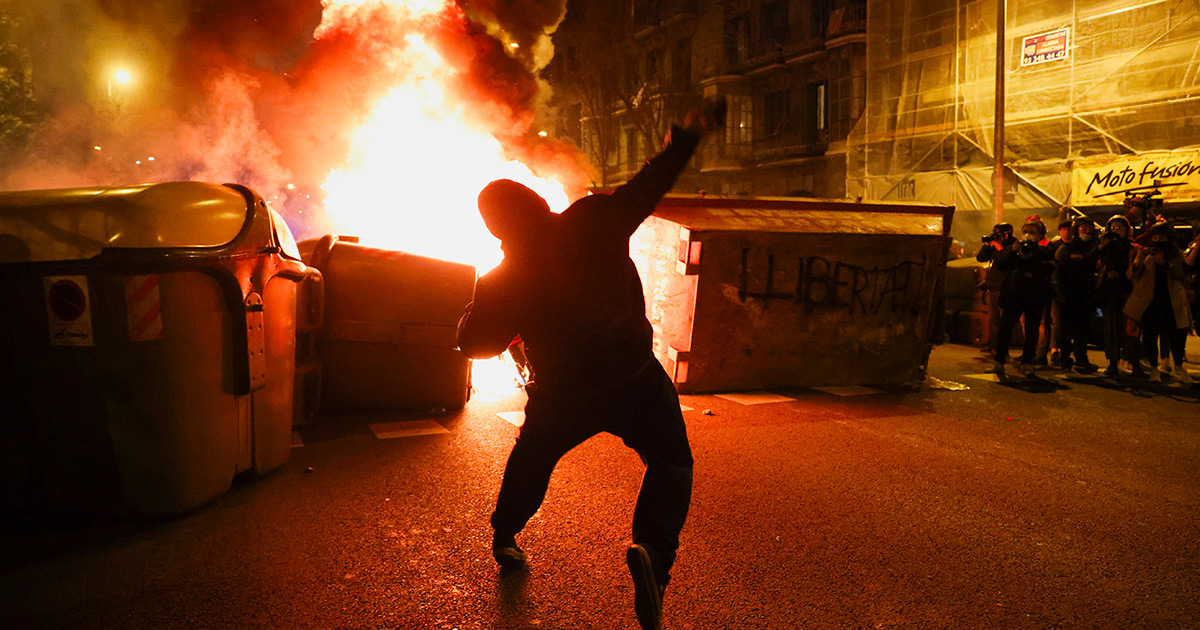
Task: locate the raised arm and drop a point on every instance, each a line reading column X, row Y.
column 637, row 198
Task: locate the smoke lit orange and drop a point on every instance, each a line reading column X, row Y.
column 416, row 165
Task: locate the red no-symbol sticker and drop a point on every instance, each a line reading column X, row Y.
column 67, row 300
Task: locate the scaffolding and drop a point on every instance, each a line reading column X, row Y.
column 1102, row 96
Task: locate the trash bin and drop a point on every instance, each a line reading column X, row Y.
column 149, row 345
column 748, row 294
column 389, row 338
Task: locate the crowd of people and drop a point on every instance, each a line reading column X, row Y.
column 1141, row 282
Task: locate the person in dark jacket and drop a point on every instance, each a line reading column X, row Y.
column 1027, row 289
column 1115, row 253
column 1075, row 272
column 993, row 245
column 569, row 290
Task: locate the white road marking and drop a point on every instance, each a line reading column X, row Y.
column 755, row 398
column 986, row 376
column 389, row 430
column 515, row 418
column 686, row 408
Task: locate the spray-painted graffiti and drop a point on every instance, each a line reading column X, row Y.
column 818, row 283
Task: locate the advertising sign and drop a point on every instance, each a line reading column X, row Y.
column 1045, row 47
column 1176, row 174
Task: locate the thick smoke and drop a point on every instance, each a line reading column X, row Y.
column 252, row 92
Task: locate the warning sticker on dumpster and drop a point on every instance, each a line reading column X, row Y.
column 69, row 310
column 143, row 307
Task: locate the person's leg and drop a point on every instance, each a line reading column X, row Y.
column 1066, row 345
column 1045, row 332
column 1150, row 331
column 1055, row 332
column 648, row 419
column 1083, row 325
column 1033, row 316
column 550, row 430
column 995, row 312
column 1009, row 314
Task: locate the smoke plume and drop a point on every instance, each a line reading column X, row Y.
column 267, row 93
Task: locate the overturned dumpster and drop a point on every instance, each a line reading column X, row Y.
column 148, row 337
column 749, row 294
column 388, row 340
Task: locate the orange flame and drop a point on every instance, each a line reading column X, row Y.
column 416, row 165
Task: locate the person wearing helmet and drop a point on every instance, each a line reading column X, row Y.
column 1025, row 294
column 1158, row 301
column 1115, row 253
column 568, row 289
column 1075, row 271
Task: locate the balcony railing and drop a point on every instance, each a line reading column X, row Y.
column 790, row 144
column 846, row 20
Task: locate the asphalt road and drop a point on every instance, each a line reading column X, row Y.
column 1070, row 503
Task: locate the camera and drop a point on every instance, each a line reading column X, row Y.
column 1028, row 247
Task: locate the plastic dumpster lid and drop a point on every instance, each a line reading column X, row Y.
column 791, row 214
column 77, row 223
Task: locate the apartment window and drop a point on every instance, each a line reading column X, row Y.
column 681, row 63
column 775, row 112
column 816, row 119
column 737, row 38
column 653, row 65
column 819, row 18
column 773, row 23
column 738, row 125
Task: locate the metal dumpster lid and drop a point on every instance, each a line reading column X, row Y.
column 791, row 214
column 77, row 223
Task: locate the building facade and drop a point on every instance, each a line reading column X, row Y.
column 1101, row 97
column 793, row 73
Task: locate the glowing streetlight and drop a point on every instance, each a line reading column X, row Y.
column 122, row 77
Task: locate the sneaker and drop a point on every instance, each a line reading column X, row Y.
column 1182, row 376
column 507, row 554
column 647, row 594
column 1112, row 371
column 1026, row 369
column 998, row 369
column 1155, row 377
column 1164, row 366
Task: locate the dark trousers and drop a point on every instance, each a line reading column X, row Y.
column 1113, row 323
column 1010, row 313
column 1159, row 318
column 1076, row 321
column 645, row 414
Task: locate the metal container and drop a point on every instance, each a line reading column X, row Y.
column 149, row 345
column 388, row 341
column 749, row 294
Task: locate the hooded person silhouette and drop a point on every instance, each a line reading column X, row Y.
column 569, row 291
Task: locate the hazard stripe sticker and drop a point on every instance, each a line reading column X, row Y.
column 143, row 308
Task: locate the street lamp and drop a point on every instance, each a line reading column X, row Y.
column 122, row 77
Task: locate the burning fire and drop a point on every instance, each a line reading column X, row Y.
column 416, row 164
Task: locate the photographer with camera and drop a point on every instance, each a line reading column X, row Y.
column 1115, row 253
column 1027, row 289
column 1075, row 272
column 994, row 244
column 1158, row 301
